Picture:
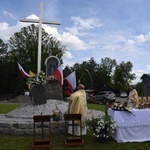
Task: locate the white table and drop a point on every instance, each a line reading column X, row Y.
column 131, row 128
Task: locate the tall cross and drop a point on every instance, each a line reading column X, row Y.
column 40, row 33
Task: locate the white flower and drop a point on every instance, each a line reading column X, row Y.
column 112, row 131
column 102, row 125
column 96, row 135
column 39, row 78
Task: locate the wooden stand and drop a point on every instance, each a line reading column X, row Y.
column 73, row 140
column 41, row 132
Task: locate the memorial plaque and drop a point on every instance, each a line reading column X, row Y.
column 38, row 95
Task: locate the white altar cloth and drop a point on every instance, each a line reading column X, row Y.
column 131, row 127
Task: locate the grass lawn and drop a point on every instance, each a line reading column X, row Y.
column 96, row 107
column 5, row 108
column 11, row 142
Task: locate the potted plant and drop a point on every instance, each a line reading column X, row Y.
column 57, row 115
column 103, row 127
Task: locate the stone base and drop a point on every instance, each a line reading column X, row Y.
column 25, row 126
column 20, row 120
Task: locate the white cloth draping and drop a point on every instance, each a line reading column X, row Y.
column 131, row 127
column 77, row 130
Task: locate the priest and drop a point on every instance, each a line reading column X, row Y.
column 78, row 105
column 133, row 100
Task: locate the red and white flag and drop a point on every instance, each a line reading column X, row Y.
column 23, row 73
column 58, row 74
column 71, row 78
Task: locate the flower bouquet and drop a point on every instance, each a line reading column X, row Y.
column 38, row 79
column 121, row 107
column 102, row 126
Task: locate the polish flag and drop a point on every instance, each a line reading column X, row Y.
column 58, row 74
column 71, row 78
column 23, row 73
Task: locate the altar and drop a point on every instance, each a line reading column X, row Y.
column 131, row 127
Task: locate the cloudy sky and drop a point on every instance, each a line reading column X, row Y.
column 118, row 29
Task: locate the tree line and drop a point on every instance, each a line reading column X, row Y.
column 22, row 47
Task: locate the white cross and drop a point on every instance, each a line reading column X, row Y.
column 40, row 28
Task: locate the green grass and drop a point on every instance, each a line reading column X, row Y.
column 12, row 142
column 5, row 108
column 96, row 107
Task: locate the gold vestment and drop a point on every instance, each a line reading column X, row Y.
column 78, row 105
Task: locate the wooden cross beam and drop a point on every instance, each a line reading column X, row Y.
column 40, row 33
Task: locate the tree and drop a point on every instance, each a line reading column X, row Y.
column 107, row 73
column 139, row 89
column 91, row 69
column 106, row 70
column 80, row 72
column 122, row 75
column 3, row 53
column 67, row 70
column 23, row 48
column 3, row 49
column 53, row 47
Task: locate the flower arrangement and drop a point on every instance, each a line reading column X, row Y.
column 102, row 126
column 118, row 106
column 40, row 79
column 121, row 107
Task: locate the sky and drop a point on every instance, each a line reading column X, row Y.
column 118, row 29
